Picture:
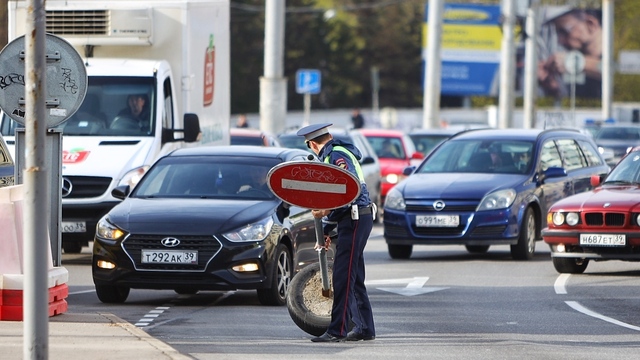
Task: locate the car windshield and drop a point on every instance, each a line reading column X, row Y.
column 627, row 171
column 112, row 106
column 480, row 156
column 425, row 143
column 293, row 141
column 238, row 178
column 387, row 147
column 618, row 133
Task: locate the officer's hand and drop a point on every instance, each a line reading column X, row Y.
column 327, row 244
column 320, row 213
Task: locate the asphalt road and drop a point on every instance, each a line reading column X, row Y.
column 443, row 303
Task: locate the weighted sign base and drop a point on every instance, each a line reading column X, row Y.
column 307, row 305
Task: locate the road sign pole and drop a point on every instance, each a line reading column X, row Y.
column 307, row 109
column 322, row 258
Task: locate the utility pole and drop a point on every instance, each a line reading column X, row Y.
column 607, row 59
column 433, row 72
column 531, row 66
column 273, row 85
column 507, row 66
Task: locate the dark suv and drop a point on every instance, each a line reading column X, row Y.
column 489, row 187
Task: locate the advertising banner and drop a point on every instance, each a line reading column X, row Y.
column 471, row 41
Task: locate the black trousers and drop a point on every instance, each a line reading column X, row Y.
column 350, row 298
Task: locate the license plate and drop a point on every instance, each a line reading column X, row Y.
column 437, row 220
column 73, row 227
column 603, row 239
column 169, row 257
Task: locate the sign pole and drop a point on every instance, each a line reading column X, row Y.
column 322, row 258
column 307, row 109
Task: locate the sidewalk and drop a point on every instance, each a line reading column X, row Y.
column 88, row 336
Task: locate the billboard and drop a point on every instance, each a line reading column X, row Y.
column 570, row 43
column 471, row 41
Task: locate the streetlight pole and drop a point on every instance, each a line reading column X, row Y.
column 432, row 78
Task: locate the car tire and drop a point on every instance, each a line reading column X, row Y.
column 477, row 249
column 72, row 247
column 400, row 251
column 570, row 265
column 280, row 279
column 526, row 246
column 310, row 322
column 111, row 294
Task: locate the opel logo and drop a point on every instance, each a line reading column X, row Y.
column 170, row 242
column 438, row 205
column 67, row 187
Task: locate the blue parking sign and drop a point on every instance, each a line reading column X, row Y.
column 308, row 81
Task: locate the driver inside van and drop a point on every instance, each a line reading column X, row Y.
column 137, row 109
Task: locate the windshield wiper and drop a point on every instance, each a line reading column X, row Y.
column 619, row 182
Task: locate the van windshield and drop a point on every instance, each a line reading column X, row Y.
column 113, row 106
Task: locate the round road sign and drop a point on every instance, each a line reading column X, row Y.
column 313, row 185
column 66, row 80
column 574, row 62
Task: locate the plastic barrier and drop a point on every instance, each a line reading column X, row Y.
column 11, row 264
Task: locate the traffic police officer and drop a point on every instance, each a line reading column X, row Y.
column 351, row 304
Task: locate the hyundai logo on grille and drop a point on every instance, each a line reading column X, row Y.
column 170, row 242
column 438, row 205
column 67, row 187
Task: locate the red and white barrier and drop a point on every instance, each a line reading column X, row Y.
column 11, row 261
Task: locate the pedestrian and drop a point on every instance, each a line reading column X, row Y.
column 357, row 119
column 242, row 121
column 354, row 222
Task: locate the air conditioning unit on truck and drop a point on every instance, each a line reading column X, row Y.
column 173, row 54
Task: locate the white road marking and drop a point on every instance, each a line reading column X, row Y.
column 314, row 186
column 576, row 306
column 414, row 286
column 82, row 292
column 559, row 285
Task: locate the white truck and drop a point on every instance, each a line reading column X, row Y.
column 174, row 54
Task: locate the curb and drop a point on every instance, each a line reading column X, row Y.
column 144, row 336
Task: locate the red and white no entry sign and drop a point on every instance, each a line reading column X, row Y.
column 313, row 185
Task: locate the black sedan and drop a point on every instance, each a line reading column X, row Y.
column 202, row 219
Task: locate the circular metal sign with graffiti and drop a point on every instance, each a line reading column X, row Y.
column 66, row 80
column 313, row 185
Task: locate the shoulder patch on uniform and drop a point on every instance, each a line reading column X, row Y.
column 341, row 162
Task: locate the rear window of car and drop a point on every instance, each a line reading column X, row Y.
column 247, row 140
column 591, row 153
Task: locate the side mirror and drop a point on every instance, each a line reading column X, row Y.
column 121, row 192
column 408, row 170
column 192, row 131
column 367, row 160
column 417, row 156
column 553, row 172
column 596, row 180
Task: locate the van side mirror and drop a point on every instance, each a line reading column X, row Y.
column 191, row 131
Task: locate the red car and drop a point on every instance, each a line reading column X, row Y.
column 602, row 224
column 395, row 150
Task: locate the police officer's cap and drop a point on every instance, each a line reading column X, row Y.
column 313, row 131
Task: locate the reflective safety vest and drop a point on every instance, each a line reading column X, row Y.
column 355, row 162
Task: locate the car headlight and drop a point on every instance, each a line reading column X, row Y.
column 253, row 232
column 107, row 230
column 391, row 178
column 572, row 218
column 558, row 218
column 133, row 177
column 394, row 200
column 501, row 199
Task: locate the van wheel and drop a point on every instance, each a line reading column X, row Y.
column 570, row 265
column 400, row 251
column 110, row 294
column 526, row 245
